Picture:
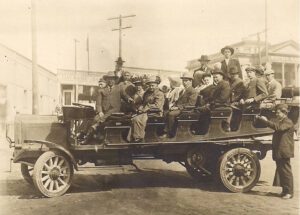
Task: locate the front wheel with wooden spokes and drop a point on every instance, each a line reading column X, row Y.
column 52, row 174
column 239, row 170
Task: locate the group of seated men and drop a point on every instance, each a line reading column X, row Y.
column 218, row 87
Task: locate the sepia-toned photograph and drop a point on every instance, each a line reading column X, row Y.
column 172, row 107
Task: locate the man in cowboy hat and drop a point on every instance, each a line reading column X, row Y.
column 273, row 86
column 153, row 98
column 108, row 101
column 282, row 149
column 200, row 71
column 228, row 62
column 256, row 88
column 187, row 97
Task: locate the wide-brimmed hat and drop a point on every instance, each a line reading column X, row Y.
column 110, row 74
column 152, row 79
column 229, row 48
column 269, row 72
column 187, row 75
column 174, row 82
column 204, row 58
column 233, row 70
column 218, row 71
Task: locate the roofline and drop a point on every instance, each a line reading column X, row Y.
column 162, row 70
column 26, row 58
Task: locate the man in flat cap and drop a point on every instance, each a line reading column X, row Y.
column 187, row 97
column 229, row 62
column 221, row 93
column 200, row 71
column 283, row 149
column 153, row 98
column 256, row 88
column 273, row 86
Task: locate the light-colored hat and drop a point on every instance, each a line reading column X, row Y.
column 174, row 82
column 110, row 74
column 101, row 80
column 187, row 75
column 250, row 69
column 269, row 72
column 152, row 79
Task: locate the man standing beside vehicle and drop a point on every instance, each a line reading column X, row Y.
column 283, row 149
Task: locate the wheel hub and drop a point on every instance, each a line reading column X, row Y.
column 239, row 170
column 54, row 173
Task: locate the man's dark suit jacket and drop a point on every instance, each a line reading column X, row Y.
column 187, row 98
column 231, row 63
column 283, row 138
column 221, row 93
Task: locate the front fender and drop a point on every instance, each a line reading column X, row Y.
column 34, row 148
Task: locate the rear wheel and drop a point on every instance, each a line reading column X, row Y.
column 27, row 172
column 198, row 163
column 52, row 174
column 239, row 170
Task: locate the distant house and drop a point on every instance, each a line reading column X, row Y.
column 284, row 57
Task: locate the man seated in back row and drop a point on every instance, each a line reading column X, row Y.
column 187, row 97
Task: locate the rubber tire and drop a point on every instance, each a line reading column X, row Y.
column 39, row 166
column 25, row 173
column 221, row 174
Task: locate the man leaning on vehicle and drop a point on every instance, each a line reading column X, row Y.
column 283, row 149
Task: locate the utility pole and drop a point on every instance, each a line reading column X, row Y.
column 266, row 27
column 35, row 85
column 119, row 62
column 76, row 81
column 257, row 34
column 88, row 52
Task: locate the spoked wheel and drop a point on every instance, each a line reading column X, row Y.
column 197, row 164
column 52, row 174
column 239, row 170
column 27, row 172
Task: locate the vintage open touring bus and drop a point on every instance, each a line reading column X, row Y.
column 49, row 151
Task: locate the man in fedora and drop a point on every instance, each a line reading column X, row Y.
column 108, row 101
column 187, row 97
column 200, row 71
column 228, row 62
column 153, row 98
column 273, row 86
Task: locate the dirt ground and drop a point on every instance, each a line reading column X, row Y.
column 159, row 188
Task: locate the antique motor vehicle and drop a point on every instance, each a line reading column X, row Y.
column 49, row 151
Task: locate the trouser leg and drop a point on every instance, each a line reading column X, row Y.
column 285, row 174
column 139, row 125
column 171, row 121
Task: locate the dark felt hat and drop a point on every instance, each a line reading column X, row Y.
column 233, row 70
column 229, row 48
column 218, row 71
column 204, row 58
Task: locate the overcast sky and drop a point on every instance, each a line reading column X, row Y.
column 165, row 34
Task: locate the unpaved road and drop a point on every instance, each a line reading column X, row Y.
column 158, row 189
